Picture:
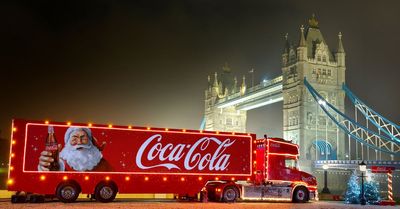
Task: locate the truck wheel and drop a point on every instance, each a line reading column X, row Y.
column 36, row 199
column 105, row 192
column 300, row 195
column 18, row 198
column 230, row 194
column 67, row 192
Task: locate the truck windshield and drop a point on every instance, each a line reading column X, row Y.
column 291, row 163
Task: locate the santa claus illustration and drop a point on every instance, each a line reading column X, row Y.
column 80, row 153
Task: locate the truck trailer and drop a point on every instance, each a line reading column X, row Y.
column 63, row 160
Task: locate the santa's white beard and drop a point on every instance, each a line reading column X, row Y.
column 83, row 159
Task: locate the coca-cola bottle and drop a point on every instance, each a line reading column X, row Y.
column 52, row 146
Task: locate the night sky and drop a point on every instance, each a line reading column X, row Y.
column 146, row 62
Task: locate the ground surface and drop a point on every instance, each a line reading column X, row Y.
column 5, row 203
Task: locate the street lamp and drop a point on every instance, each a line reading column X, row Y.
column 325, row 190
column 363, row 168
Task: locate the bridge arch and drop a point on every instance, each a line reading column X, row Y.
column 324, row 150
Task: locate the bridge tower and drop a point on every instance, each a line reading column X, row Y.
column 303, row 122
column 219, row 89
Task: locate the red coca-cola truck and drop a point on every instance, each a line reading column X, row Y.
column 103, row 160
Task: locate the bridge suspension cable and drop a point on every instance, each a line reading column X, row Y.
column 354, row 129
column 381, row 123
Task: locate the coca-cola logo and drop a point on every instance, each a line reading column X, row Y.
column 276, row 145
column 196, row 155
column 307, row 179
column 52, row 147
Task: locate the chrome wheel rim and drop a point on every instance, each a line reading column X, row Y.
column 300, row 195
column 230, row 194
column 68, row 192
column 106, row 192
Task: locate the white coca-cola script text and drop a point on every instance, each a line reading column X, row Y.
column 196, row 155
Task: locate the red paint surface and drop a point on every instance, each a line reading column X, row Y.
column 122, row 145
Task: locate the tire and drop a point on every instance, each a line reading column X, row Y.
column 18, row 199
column 230, row 194
column 105, row 192
column 67, row 192
column 36, row 199
column 300, row 195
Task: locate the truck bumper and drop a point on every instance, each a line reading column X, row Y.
column 314, row 195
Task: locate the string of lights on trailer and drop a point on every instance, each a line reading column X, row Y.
column 14, row 129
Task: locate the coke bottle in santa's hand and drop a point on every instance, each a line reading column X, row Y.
column 52, row 147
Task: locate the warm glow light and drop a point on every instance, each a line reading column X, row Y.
column 182, row 179
column 11, row 168
column 13, row 142
column 42, row 177
column 255, row 172
column 233, row 133
column 218, row 190
column 148, row 128
column 90, row 125
column 47, row 122
column 110, row 125
column 69, row 123
column 166, row 129
column 248, row 134
column 255, row 162
column 216, row 178
column 164, row 179
column 200, row 178
column 12, row 155
column 146, row 178
column 255, row 152
column 283, row 154
column 183, row 130
column 143, row 129
column 65, row 178
column 280, row 199
column 130, row 127
column 107, row 178
column 201, row 131
column 10, row 181
column 217, row 132
column 86, row 178
column 254, row 141
column 248, row 179
column 14, row 129
column 233, row 178
column 127, row 178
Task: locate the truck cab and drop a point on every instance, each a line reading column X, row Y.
column 277, row 175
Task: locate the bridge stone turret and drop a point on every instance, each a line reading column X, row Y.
column 303, row 121
column 228, row 119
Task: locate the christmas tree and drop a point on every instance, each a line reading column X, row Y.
column 353, row 190
column 372, row 191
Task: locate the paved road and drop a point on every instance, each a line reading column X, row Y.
column 5, row 203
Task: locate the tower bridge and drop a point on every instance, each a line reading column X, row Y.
column 265, row 93
column 313, row 93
